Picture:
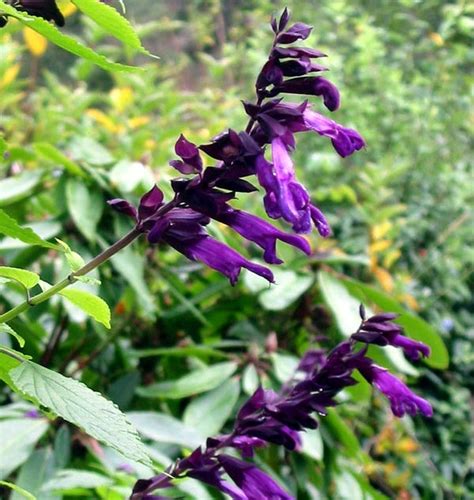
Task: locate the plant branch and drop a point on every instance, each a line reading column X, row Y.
column 87, row 268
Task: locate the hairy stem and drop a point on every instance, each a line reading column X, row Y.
column 87, row 268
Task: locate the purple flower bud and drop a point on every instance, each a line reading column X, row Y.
column 298, row 67
column 284, row 18
column 124, row 207
column 190, row 158
column 298, row 31
column 296, row 52
column 381, row 331
column 402, row 400
column 150, row 202
column 252, row 481
column 271, row 74
column 310, row 85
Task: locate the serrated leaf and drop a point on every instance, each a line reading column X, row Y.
column 55, row 36
column 91, row 304
column 10, row 227
column 112, row 22
column 196, row 382
column 81, row 406
column 27, row 278
column 4, row 328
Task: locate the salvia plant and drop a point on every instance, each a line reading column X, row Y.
column 212, row 175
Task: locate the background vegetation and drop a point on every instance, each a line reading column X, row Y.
column 400, row 212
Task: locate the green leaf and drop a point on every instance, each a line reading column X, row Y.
column 19, row 187
column 34, row 472
column 414, row 326
column 19, row 437
column 21, row 491
column 53, row 154
column 341, row 432
column 131, row 266
column 250, row 379
column 342, row 304
column 70, row 479
column 76, row 403
column 312, row 444
column 55, row 36
column 10, row 227
column 74, row 260
column 284, row 365
column 27, row 278
column 92, row 305
column 112, row 22
column 89, row 150
column 7, row 363
column 208, row 413
column 288, row 288
column 164, row 429
column 3, row 146
column 4, row 328
column 196, row 382
column 85, row 206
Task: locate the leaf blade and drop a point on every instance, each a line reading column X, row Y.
column 76, row 403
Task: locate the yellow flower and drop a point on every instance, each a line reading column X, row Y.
column 36, row 43
column 9, row 76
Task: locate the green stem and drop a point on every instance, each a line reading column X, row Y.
column 87, row 268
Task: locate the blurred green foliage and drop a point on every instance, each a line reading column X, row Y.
column 185, row 348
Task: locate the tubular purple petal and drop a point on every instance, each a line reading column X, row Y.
column 220, row 257
column 251, row 480
column 402, row 399
column 262, row 233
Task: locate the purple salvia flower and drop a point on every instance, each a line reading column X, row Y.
column 381, row 331
column 310, row 85
column 293, row 200
column 254, row 483
column 345, row 140
column 402, row 399
column 262, row 233
column 298, row 31
column 190, row 158
column 220, row 257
